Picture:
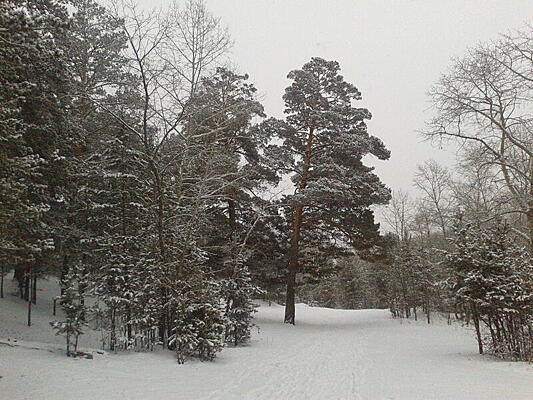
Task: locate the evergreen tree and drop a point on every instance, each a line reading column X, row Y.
column 35, row 134
column 328, row 138
column 221, row 120
column 74, row 309
column 198, row 317
column 222, row 113
column 238, row 292
column 492, row 277
column 93, row 47
column 116, row 233
column 20, row 207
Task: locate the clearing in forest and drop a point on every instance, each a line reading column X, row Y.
column 329, row 354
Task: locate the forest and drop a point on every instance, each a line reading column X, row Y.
column 139, row 169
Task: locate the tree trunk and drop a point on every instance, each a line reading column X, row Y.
column 19, row 276
column 27, row 285
column 2, row 283
column 530, row 214
column 76, row 344
column 112, row 338
column 81, row 289
column 295, row 237
column 128, row 327
column 164, row 320
column 29, row 281
column 232, row 216
column 125, row 250
column 34, row 289
column 64, row 272
column 475, row 317
column 293, row 266
column 159, row 192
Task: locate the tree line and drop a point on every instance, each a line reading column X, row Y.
column 142, row 171
column 462, row 247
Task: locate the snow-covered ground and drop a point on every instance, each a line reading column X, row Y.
column 329, row 354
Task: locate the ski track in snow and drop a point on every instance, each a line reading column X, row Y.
column 329, row 354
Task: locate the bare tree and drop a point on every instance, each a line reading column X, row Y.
column 169, row 52
column 484, row 102
column 422, row 222
column 398, row 214
column 480, row 193
column 434, row 181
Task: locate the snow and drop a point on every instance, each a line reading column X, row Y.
column 13, row 317
column 329, row 354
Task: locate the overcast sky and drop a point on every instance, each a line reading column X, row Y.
column 392, row 50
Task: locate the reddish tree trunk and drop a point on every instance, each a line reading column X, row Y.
column 295, row 237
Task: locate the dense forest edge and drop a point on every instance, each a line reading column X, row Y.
column 141, row 171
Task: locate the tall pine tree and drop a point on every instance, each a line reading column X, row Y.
column 328, row 138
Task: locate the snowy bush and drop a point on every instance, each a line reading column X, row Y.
column 493, row 279
column 198, row 325
column 238, row 292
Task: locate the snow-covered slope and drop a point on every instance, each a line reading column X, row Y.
column 329, row 354
column 13, row 316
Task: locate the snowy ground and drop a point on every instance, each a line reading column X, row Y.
column 330, row 354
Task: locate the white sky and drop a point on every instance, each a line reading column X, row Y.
column 392, row 50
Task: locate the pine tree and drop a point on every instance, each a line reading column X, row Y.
column 328, row 138
column 35, row 135
column 222, row 113
column 93, row 46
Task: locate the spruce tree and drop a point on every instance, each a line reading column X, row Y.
column 198, row 320
column 21, row 208
column 74, row 309
column 238, row 293
column 222, row 114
